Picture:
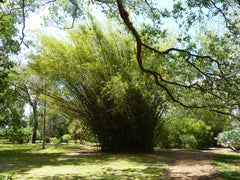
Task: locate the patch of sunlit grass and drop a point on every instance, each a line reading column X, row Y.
column 228, row 165
column 28, row 161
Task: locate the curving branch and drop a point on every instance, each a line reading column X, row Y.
column 125, row 16
column 163, row 83
column 74, row 15
column 228, row 22
column 155, row 9
column 46, row 3
column 23, row 24
column 23, row 9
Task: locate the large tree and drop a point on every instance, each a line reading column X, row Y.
column 199, row 68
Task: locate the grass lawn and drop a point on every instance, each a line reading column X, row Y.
column 228, row 166
column 28, row 161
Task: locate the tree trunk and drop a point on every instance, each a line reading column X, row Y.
column 35, row 123
column 81, row 138
column 44, row 116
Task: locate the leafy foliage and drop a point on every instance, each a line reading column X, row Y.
column 56, row 123
column 54, row 140
column 191, row 128
column 193, row 70
column 230, row 139
column 7, row 46
column 216, row 121
column 6, row 176
column 66, row 137
column 21, row 135
column 186, row 133
column 13, row 121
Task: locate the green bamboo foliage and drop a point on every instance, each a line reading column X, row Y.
column 97, row 82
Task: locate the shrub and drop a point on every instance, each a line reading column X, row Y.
column 66, row 137
column 188, row 141
column 54, row 140
column 6, row 176
column 21, row 135
column 230, row 139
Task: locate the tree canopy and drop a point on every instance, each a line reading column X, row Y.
column 199, row 70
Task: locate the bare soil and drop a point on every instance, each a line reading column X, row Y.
column 194, row 165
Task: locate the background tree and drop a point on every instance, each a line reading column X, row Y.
column 56, row 123
column 198, row 126
column 216, row 121
column 8, row 46
column 29, row 86
column 77, row 130
column 16, row 130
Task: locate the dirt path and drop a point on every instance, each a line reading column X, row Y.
column 195, row 165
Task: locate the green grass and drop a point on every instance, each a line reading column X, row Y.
column 228, row 166
column 28, row 161
column 3, row 140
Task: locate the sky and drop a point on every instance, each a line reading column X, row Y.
column 34, row 23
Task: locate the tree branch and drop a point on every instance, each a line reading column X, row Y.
column 157, row 76
column 227, row 21
column 46, row 3
column 155, row 9
column 23, row 24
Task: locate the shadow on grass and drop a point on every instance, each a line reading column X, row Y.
column 228, row 165
column 22, row 159
column 110, row 174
